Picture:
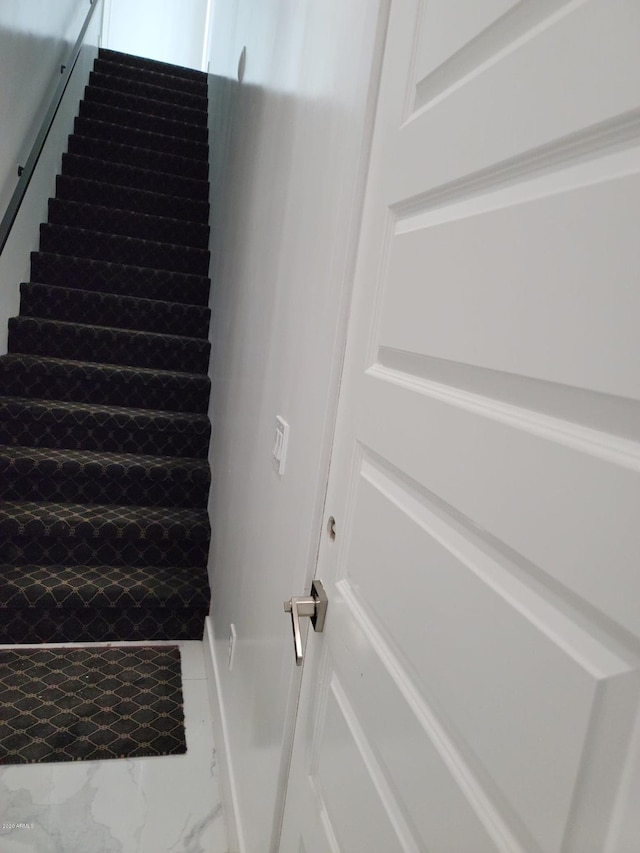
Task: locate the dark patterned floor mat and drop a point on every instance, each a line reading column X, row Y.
column 88, row 704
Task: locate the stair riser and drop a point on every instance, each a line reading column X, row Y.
column 128, row 223
column 128, row 155
column 19, row 425
column 90, row 625
column 129, row 61
column 105, row 132
column 103, row 587
column 141, row 391
column 145, row 90
column 145, row 106
column 18, row 483
column 24, row 549
column 121, row 312
column 141, row 121
column 196, row 87
column 104, row 277
column 122, row 198
column 76, row 242
column 119, row 174
column 107, row 346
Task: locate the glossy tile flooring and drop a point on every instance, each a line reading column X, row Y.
column 139, row 805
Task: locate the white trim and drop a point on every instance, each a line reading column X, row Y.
column 228, row 788
column 105, row 34
column 207, row 33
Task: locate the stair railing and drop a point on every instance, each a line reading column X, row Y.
column 25, row 172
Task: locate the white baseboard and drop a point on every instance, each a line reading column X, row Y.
column 225, row 765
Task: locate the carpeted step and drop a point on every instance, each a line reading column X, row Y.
column 108, row 429
column 152, row 140
column 79, row 476
column 134, row 177
column 83, row 535
column 126, row 198
column 110, row 385
column 150, row 91
column 110, row 220
column 157, row 65
column 116, row 311
column 143, row 121
column 169, row 81
column 98, row 523
column 101, row 603
column 81, row 243
column 130, row 155
column 145, row 106
column 104, row 345
column 87, row 274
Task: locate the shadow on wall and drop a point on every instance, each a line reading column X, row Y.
column 245, row 292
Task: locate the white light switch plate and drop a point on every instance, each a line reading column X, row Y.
column 279, row 452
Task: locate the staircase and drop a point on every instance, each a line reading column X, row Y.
column 104, row 432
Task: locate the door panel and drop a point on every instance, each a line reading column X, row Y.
column 563, row 500
column 551, row 97
column 533, row 277
column 481, row 652
column 529, row 672
column 359, row 805
column 449, row 27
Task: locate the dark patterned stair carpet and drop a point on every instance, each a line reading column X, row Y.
column 104, row 435
column 128, row 279
column 90, row 704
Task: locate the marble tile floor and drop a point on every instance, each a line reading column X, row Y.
column 139, row 805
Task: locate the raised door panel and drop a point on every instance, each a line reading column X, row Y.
column 448, row 28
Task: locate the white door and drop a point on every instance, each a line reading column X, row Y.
column 476, row 688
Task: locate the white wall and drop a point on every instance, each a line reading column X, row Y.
column 169, row 30
column 283, row 246
column 36, row 37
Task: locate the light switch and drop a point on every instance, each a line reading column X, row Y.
column 280, row 445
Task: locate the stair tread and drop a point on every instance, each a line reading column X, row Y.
column 62, row 324
column 110, row 277
column 51, row 365
column 155, row 76
column 136, row 177
column 66, row 380
column 58, row 410
column 138, row 137
column 144, row 105
column 150, row 254
column 70, row 424
column 135, row 118
column 145, row 311
column 96, row 477
column 55, row 460
column 102, row 585
column 144, row 158
column 128, row 223
column 142, row 61
column 72, row 188
column 48, row 520
column 150, row 91
column 107, row 344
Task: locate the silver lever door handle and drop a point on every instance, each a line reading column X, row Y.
column 314, row 606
